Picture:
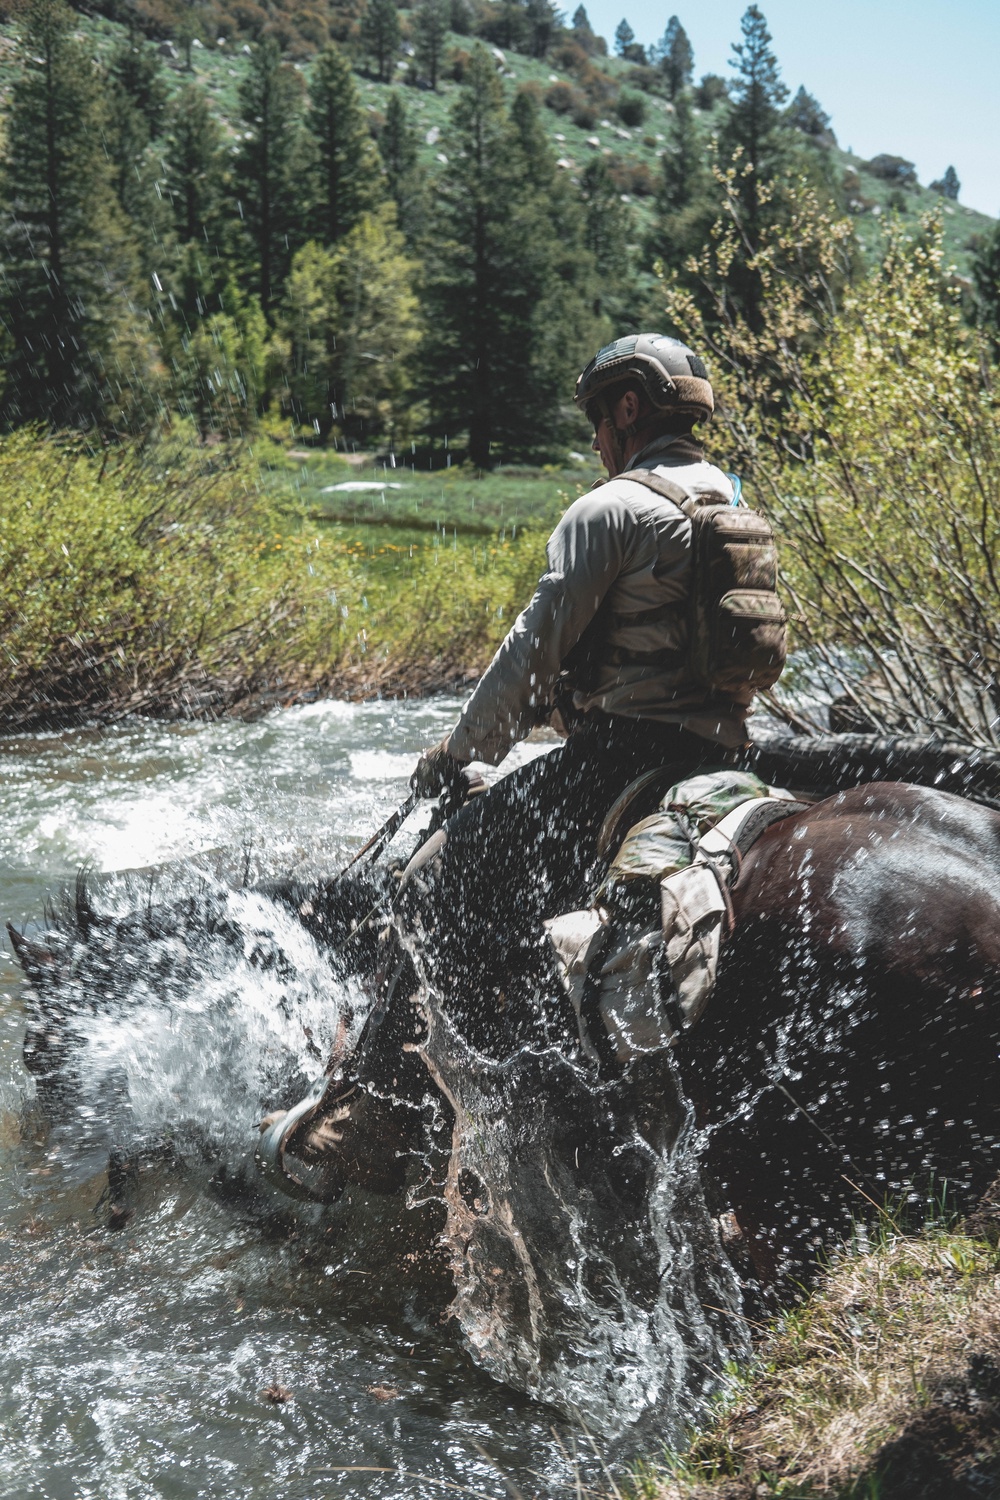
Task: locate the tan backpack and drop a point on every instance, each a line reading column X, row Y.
column 738, row 627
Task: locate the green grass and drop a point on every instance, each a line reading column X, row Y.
column 503, row 501
column 853, row 1393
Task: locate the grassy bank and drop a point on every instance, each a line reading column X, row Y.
column 179, row 582
column 883, row 1385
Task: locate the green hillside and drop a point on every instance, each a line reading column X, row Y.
column 633, row 153
column 374, row 228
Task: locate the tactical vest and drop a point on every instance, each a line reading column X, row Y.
column 736, row 625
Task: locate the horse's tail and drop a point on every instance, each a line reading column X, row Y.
column 828, row 763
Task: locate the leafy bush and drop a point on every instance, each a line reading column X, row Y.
column 165, row 583
column 866, row 416
column 631, row 108
column 458, row 64
column 895, row 169
column 562, row 98
column 647, row 80
column 632, row 177
column 710, row 90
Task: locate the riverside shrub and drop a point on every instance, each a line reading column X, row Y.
column 864, row 411
column 169, row 584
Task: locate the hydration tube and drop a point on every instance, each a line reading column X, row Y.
column 737, row 485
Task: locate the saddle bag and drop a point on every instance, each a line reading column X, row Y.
column 738, row 627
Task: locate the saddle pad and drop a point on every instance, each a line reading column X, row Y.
column 740, row 829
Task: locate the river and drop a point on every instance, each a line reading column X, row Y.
column 225, row 1344
column 134, row 1364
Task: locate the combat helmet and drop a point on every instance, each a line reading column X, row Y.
column 672, row 376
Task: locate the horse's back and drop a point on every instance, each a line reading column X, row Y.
column 852, row 1042
column 889, row 873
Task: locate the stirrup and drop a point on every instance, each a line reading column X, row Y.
column 269, row 1156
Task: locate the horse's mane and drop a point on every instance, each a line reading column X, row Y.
column 830, row 763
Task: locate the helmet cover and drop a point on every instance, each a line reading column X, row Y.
column 671, row 375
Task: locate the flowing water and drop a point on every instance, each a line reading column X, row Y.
column 226, row 1343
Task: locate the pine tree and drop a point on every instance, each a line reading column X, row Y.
column 681, row 163
column 607, row 219
column 380, row 36
column 624, row 38
column 753, row 124
column 404, row 178
column 948, row 185
column 542, row 19
column 686, row 202
column 348, row 327
column 70, row 269
column 346, row 172
column 552, row 197
column 807, row 115
column 496, row 365
column 430, row 28
column 126, row 136
column 608, row 229
column 193, row 164
column 136, row 69
column 536, row 163
column 676, row 58
column 269, row 166
column 135, row 97
column 508, row 26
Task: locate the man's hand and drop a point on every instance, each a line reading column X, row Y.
column 437, row 771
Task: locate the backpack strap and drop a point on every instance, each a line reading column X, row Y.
column 668, row 490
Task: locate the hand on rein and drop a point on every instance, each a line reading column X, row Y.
column 439, row 774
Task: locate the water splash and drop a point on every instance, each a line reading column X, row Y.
column 194, row 1032
column 588, row 1269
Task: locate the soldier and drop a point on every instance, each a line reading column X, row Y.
column 603, row 650
column 620, row 649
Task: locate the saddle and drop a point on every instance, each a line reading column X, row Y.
column 639, row 965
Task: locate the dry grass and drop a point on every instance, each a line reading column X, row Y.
column 884, row 1383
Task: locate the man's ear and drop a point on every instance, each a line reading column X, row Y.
column 627, row 410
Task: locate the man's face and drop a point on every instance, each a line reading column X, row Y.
column 603, row 444
column 623, row 413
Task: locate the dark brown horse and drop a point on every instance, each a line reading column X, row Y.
column 849, row 1054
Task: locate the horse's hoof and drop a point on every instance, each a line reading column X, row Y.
column 361, row 1137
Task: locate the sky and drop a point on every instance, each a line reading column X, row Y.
column 916, row 78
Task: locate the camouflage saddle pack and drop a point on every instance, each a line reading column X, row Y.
column 639, row 965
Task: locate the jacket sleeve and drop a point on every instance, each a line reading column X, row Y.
column 585, row 554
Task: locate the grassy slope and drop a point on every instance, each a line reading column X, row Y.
column 883, row 1385
column 219, row 70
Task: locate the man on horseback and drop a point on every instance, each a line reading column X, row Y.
column 619, row 649
column 604, row 652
